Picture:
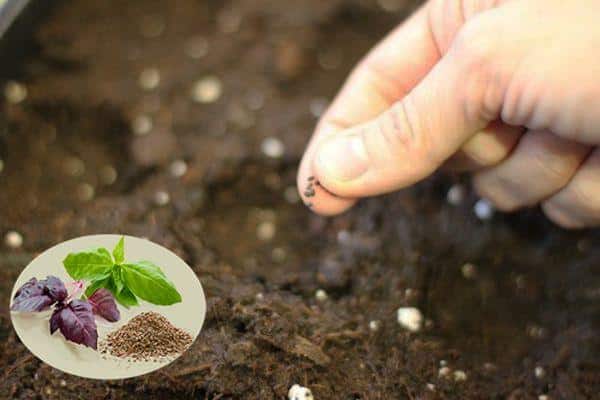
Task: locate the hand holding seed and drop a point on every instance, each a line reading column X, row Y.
column 506, row 89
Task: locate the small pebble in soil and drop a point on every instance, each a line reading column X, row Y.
column 108, row 175
column 13, row 239
column 141, row 125
column 468, row 271
column 161, row 198
column 196, row 47
column 290, row 59
column 520, row 282
column 272, row 147
column 543, row 397
column 15, row 92
column 536, row 331
column 392, row 6
column 484, row 210
column 239, row 116
column 410, row 318
column 1, row 165
column 73, row 166
column 318, row 106
column 178, row 168
column 266, row 230
column 63, row 383
column 443, row 363
column 291, row 195
column 460, row 376
column 229, row 20
column 149, row 78
column 539, row 372
column 456, row 195
column 374, row 325
column 444, row 372
column 278, row 254
column 207, row 90
column 329, row 59
column 255, row 100
column 298, row 392
column 344, row 237
column 259, row 296
column 489, row 367
column 321, row 295
column 272, row 180
column 85, row 192
column 431, row 387
column 152, row 26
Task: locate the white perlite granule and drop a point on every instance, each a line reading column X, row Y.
column 460, row 376
column 178, row 168
column 141, row 125
column 410, row 318
column 13, row 239
column 484, row 210
column 207, row 90
column 272, row 147
column 374, row 325
column 15, row 92
column 456, row 194
column 321, row 295
column 149, row 78
column 298, row 392
column 266, row 230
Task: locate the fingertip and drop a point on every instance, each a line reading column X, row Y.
column 316, row 197
column 560, row 217
column 329, row 205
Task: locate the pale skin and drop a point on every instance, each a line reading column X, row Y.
column 509, row 90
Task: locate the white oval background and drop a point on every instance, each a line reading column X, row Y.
column 34, row 328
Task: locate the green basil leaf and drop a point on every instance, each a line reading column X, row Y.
column 117, row 278
column 147, row 281
column 126, row 298
column 91, row 264
column 96, row 284
column 119, row 251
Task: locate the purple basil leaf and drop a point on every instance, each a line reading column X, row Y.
column 31, row 296
column 103, row 303
column 76, row 322
column 54, row 318
column 32, row 286
column 55, row 288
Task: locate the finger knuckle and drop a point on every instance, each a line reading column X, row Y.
column 481, row 75
column 401, row 129
column 476, row 45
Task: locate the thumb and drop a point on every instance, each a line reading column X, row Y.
column 458, row 97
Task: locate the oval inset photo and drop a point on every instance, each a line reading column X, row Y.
column 108, row 306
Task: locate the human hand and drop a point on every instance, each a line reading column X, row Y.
column 507, row 89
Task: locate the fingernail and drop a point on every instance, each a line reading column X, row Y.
column 344, row 158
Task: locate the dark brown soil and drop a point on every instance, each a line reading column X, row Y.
column 533, row 302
